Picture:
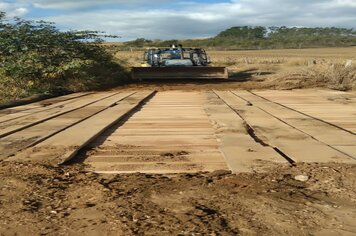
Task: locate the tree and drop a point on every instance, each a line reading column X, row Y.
column 37, row 57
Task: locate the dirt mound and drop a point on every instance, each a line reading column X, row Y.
column 44, row 199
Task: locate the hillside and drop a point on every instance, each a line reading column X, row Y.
column 259, row 37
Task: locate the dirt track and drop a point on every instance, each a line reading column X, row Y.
column 265, row 138
column 41, row 199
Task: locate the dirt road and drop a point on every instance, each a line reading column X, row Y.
column 220, row 162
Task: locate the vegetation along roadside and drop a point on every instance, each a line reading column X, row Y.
column 38, row 58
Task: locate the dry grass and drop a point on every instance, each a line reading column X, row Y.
column 336, row 76
column 133, row 58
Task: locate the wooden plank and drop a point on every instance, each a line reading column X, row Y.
column 350, row 150
column 295, row 144
column 21, row 111
column 156, row 168
column 242, row 153
column 149, row 151
column 11, row 127
column 205, row 157
column 336, row 108
column 65, row 145
column 15, row 142
column 184, row 146
column 172, row 140
column 317, row 129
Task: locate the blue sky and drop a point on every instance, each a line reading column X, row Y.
column 168, row 19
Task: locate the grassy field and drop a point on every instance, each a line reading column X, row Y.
column 345, row 53
column 334, row 68
column 278, row 56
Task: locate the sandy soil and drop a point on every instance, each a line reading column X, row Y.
column 248, row 81
column 40, row 199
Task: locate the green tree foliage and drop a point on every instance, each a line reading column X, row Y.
column 140, row 42
column 244, row 32
column 36, row 57
column 259, row 37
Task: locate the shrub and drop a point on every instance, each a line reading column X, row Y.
column 335, row 76
column 36, row 57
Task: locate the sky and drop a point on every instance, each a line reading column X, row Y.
column 181, row 19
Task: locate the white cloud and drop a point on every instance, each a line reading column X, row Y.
column 343, row 3
column 13, row 9
column 83, row 4
column 192, row 19
column 20, row 11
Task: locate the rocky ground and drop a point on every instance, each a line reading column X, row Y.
column 307, row 199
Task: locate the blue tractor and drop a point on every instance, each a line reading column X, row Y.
column 177, row 62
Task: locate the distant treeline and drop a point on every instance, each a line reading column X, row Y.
column 259, row 37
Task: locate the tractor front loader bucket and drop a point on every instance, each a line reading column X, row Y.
column 196, row 72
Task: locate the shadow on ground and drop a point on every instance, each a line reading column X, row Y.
column 246, row 75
